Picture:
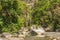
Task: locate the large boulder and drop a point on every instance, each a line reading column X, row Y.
column 37, row 30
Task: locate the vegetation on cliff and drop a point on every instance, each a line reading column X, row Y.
column 15, row 14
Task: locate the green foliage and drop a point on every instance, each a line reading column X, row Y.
column 15, row 14
column 9, row 12
column 43, row 13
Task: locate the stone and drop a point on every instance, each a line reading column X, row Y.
column 6, row 35
column 1, row 39
column 39, row 30
column 21, row 36
column 40, row 36
column 54, row 39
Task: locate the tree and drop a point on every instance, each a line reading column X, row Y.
column 12, row 16
column 43, row 13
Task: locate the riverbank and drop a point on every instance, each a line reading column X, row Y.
column 46, row 36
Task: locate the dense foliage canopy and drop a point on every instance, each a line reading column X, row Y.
column 15, row 14
column 46, row 13
column 11, row 15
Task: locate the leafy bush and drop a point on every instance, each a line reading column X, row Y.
column 44, row 13
column 10, row 15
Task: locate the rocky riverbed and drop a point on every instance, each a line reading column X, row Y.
column 46, row 36
column 29, row 38
column 32, row 34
